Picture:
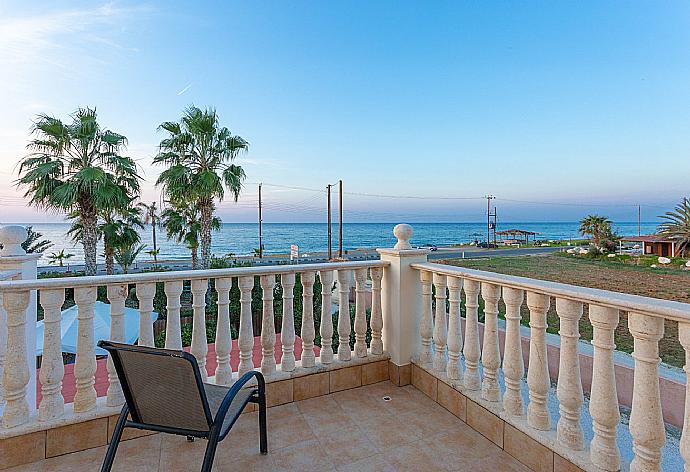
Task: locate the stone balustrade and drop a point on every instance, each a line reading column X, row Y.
column 19, row 415
column 419, row 321
column 646, row 324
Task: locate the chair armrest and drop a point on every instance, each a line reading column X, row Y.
column 237, row 386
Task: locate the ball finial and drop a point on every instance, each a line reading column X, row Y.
column 12, row 238
column 404, row 233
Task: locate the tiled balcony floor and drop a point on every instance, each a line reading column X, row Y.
column 352, row 430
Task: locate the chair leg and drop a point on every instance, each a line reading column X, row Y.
column 262, row 425
column 210, row 454
column 115, row 440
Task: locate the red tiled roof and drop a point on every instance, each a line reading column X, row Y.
column 69, row 386
column 647, row 238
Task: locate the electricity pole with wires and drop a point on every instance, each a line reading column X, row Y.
column 261, row 245
column 330, row 248
column 340, row 202
column 488, row 218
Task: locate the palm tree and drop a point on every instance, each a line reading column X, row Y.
column 119, row 229
column 599, row 227
column 199, row 154
column 677, row 226
column 77, row 168
column 59, row 257
column 126, row 253
column 151, row 217
column 182, row 224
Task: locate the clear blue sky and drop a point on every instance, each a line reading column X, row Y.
column 586, row 103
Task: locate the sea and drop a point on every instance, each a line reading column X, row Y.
column 242, row 238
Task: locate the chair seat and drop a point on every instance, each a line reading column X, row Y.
column 215, row 395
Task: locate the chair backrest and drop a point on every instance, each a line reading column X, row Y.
column 162, row 387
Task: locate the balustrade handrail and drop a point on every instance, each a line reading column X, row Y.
column 668, row 309
column 148, row 277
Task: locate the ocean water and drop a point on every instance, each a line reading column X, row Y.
column 242, row 238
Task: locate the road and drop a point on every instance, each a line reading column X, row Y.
column 457, row 253
column 359, row 255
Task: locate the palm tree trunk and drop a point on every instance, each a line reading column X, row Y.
column 109, row 261
column 206, row 215
column 194, row 258
column 89, row 239
column 155, row 253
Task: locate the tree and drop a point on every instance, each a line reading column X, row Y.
column 598, row 227
column 33, row 241
column 182, row 224
column 199, row 154
column 126, row 253
column 677, row 226
column 151, row 217
column 59, row 257
column 77, row 168
column 119, row 229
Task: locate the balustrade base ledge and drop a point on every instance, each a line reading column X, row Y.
column 545, row 438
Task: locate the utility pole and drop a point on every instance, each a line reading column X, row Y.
column 261, row 245
column 639, row 224
column 330, row 247
column 488, row 218
column 495, row 210
column 340, row 238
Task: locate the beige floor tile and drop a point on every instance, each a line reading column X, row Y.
column 376, row 463
column 413, row 457
column 462, row 444
column 305, row 456
column 432, row 421
column 387, row 432
column 347, row 445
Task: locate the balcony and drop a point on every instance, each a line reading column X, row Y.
column 434, row 378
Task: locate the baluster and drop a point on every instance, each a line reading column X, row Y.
column 287, row 332
column 513, row 364
column 360, row 313
column 117, row 294
column 603, row 405
column 245, row 340
column 376, row 321
column 491, row 353
column 326, row 329
column 173, row 331
column 16, row 374
column 268, row 329
column 307, row 334
column 426, row 324
column 440, row 329
column 145, row 294
column 471, row 349
column 684, row 337
column 52, row 369
column 223, row 337
column 569, row 391
column 344, row 328
column 199, row 347
column 646, row 420
column 85, row 364
column 453, row 369
column 538, row 379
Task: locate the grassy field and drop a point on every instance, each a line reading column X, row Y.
column 623, row 276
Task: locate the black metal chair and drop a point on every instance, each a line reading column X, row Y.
column 164, row 392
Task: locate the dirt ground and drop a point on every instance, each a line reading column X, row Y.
column 638, row 280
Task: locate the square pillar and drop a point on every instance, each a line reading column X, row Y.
column 401, row 298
